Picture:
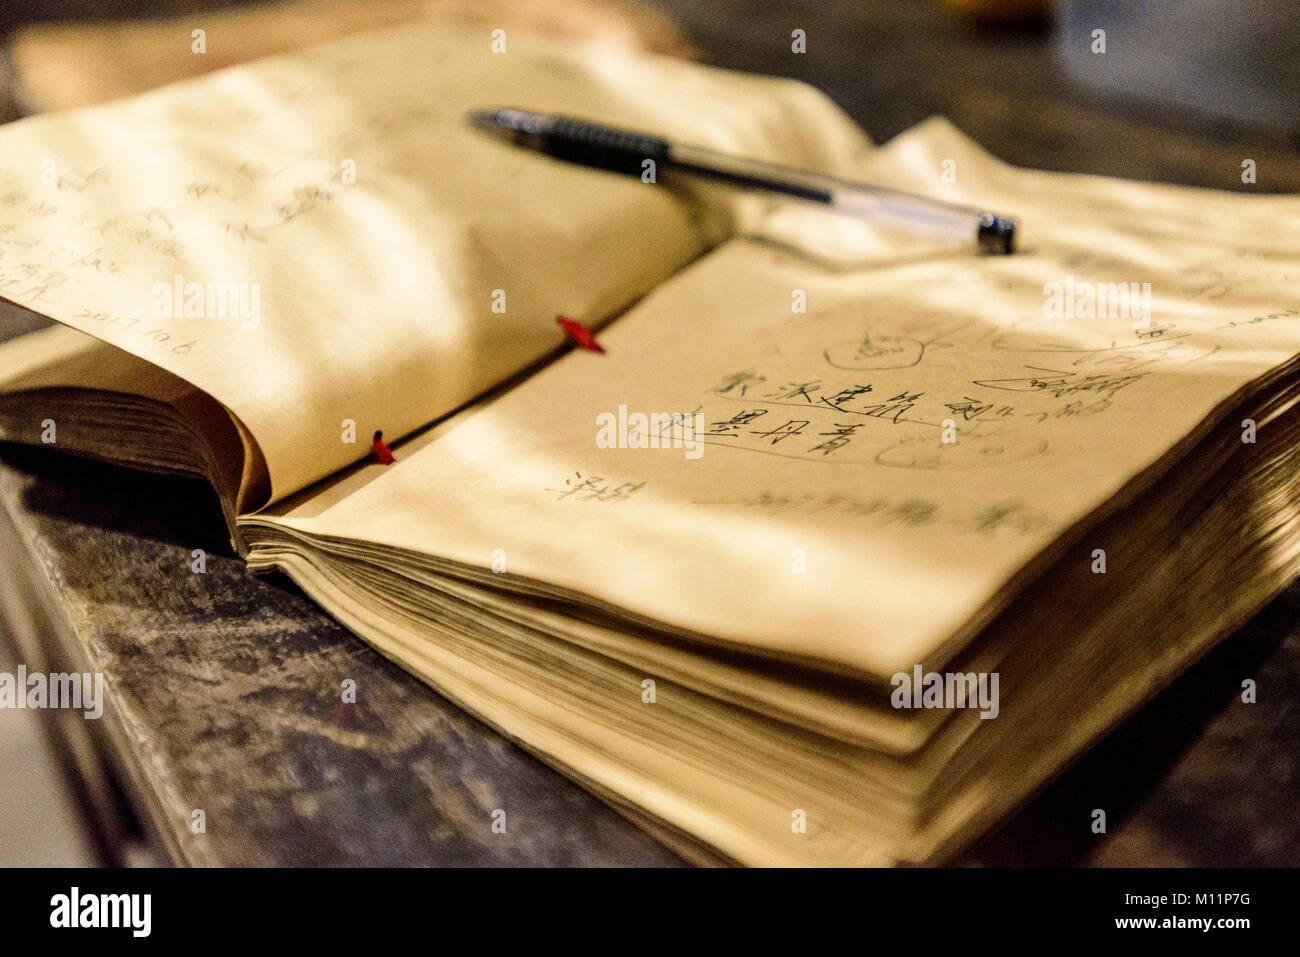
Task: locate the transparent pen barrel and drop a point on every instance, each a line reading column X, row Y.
column 915, row 215
column 908, row 212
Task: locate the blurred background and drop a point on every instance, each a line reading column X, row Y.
column 1032, row 80
column 1178, row 91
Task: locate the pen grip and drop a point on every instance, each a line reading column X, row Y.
column 594, row 145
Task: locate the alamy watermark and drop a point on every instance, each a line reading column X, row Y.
column 654, row 430
column 948, row 690
column 78, row 692
column 212, row 300
column 1077, row 299
column 133, row 912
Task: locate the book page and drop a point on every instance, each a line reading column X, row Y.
column 857, row 480
column 321, row 242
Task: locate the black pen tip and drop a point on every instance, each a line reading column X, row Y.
column 518, row 126
column 997, row 235
column 483, row 119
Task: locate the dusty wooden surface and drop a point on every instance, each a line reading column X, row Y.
column 224, row 688
column 225, row 696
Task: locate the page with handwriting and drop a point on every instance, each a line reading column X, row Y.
column 321, row 242
column 869, row 454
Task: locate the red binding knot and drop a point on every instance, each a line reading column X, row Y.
column 384, row 453
column 579, row 334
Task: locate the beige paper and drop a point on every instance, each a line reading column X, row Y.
column 321, row 243
column 827, row 518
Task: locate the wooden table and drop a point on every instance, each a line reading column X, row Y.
column 223, row 688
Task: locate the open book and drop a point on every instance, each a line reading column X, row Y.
column 839, row 552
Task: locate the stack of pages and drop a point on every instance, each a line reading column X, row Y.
column 840, row 550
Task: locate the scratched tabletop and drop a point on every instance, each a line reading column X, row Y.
column 225, row 740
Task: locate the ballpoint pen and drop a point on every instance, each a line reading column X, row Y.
column 623, row 151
